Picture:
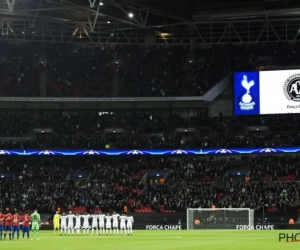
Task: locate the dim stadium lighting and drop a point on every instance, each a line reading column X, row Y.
column 165, row 34
column 101, row 4
column 111, row 34
column 108, row 21
column 130, row 15
column 23, row 32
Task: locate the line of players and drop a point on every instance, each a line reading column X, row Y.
column 10, row 225
column 101, row 224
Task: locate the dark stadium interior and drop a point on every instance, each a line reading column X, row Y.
column 145, row 75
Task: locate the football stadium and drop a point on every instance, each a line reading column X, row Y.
column 146, row 124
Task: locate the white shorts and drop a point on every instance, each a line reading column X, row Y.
column 123, row 226
column 86, row 226
column 95, row 224
column 108, row 226
column 63, row 226
column 101, row 225
column 70, row 226
column 77, row 227
column 129, row 226
column 115, row 224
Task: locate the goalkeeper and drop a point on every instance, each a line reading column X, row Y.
column 35, row 227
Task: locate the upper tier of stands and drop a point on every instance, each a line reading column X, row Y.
column 66, row 70
column 95, row 130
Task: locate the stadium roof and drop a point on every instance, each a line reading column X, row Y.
column 246, row 9
column 111, row 20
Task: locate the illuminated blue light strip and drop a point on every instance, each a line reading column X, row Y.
column 231, row 151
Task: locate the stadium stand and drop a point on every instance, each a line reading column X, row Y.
column 95, row 130
column 91, row 71
column 151, row 108
column 109, row 184
column 200, row 183
column 26, row 184
column 19, row 70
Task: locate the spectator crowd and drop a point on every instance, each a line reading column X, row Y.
column 96, row 130
column 71, row 70
column 60, row 70
column 112, row 184
column 34, row 183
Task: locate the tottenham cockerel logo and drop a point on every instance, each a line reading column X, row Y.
column 246, row 102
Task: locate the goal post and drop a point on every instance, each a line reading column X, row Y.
column 219, row 218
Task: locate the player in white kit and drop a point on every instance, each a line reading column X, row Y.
column 86, row 224
column 101, row 223
column 108, row 223
column 78, row 223
column 63, row 224
column 95, row 217
column 123, row 223
column 71, row 217
column 130, row 221
column 115, row 218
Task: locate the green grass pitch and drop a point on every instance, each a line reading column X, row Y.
column 158, row 240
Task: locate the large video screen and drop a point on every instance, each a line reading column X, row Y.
column 267, row 92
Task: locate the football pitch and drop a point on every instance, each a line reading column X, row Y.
column 158, row 240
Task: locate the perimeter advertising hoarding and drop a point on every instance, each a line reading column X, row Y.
column 267, row 92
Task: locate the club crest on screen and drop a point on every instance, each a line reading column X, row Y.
column 246, row 102
column 292, row 88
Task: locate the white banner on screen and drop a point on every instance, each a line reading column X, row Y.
column 278, row 91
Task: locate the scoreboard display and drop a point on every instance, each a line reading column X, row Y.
column 267, row 92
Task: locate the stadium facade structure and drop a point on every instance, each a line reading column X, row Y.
column 151, row 22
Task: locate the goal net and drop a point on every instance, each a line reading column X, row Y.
column 219, row 218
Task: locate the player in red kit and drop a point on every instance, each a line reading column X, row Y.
column 16, row 225
column 8, row 222
column 2, row 217
column 25, row 228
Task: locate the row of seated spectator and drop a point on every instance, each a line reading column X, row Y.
column 33, row 183
column 47, row 183
column 282, row 196
column 127, row 70
column 95, row 130
column 201, row 183
column 112, row 184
